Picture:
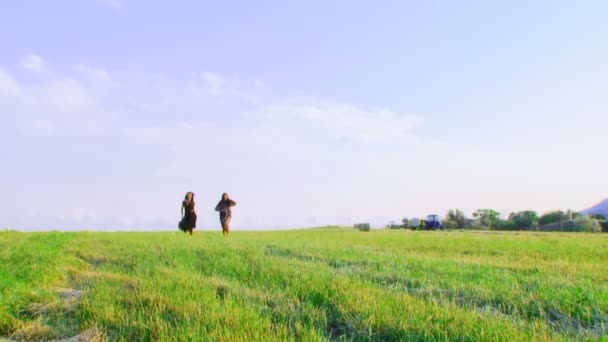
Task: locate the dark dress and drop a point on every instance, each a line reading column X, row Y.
column 189, row 220
column 225, row 213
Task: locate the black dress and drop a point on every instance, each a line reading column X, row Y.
column 189, row 220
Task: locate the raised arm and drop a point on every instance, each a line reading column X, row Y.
column 231, row 203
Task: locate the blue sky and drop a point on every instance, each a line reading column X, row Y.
column 307, row 113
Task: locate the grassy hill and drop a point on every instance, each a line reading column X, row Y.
column 315, row 284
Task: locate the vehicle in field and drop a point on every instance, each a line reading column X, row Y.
column 433, row 222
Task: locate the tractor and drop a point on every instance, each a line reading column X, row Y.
column 433, row 222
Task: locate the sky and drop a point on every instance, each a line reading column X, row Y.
column 307, row 113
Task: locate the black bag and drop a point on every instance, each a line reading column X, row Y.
column 182, row 225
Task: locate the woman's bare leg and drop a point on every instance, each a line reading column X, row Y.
column 227, row 225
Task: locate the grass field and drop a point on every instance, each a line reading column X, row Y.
column 309, row 285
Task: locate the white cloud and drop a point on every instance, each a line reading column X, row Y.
column 8, row 85
column 218, row 86
column 96, row 74
column 34, row 63
column 214, row 81
column 331, row 121
column 64, row 96
column 53, row 106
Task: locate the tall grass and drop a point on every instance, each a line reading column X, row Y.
column 318, row 284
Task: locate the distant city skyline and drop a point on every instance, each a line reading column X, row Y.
column 310, row 113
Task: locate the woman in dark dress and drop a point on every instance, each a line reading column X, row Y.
column 188, row 223
column 223, row 207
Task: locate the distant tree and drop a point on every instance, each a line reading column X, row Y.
column 524, row 219
column 487, row 218
column 553, row 217
column 449, row 224
column 587, row 224
column 454, row 218
column 506, row 225
column 571, row 215
column 597, row 217
column 406, row 222
column 601, row 220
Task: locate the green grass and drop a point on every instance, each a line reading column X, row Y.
column 317, row 284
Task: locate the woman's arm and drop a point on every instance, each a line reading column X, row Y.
column 218, row 206
column 182, row 210
column 232, row 203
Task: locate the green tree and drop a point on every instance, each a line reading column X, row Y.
column 454, row 219
column 524, row 219
column 552, row 217
column 487, row 218
column 406, row 222
column 587, row 224
column 601, row 220
column 506, row 225
column 597, row 217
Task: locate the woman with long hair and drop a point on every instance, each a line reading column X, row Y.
column 188, row 223
column 223, row 207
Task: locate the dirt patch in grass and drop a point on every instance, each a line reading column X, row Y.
column 92, row 260
column 348, row 266
column 562, row 323
column 288, row 253
column 70, row 295
column 91, row 335
column 34, row 331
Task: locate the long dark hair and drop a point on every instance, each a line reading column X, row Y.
column 189, row 193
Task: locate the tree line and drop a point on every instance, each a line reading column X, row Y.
column 523, row 220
